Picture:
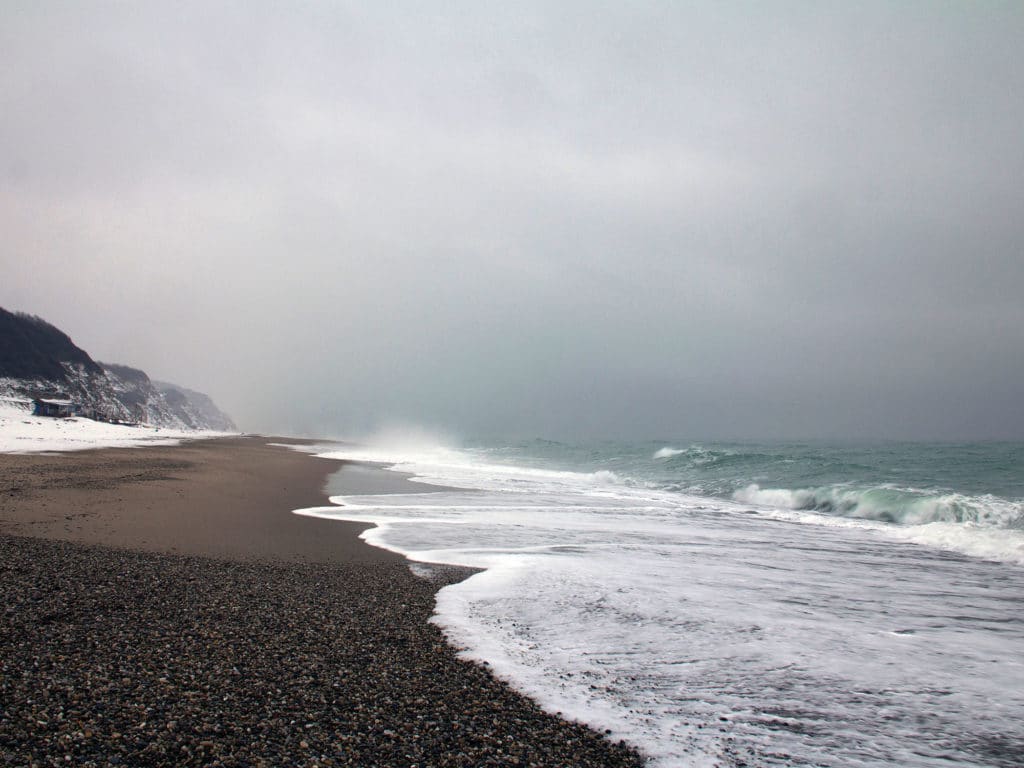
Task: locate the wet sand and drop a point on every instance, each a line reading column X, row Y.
column 220, row 498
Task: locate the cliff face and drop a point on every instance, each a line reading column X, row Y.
column 39, row 360
column 193, row 407
column 32, row 349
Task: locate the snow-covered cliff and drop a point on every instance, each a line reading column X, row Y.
column 39, row 360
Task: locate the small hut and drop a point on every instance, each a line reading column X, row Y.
column 57, row 408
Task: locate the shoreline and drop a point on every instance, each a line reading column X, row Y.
column 165, row 607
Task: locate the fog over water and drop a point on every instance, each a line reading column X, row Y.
column 644, row 219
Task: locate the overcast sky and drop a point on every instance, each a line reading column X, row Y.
column 561, row 219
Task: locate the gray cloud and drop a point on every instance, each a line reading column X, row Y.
column 735, row 220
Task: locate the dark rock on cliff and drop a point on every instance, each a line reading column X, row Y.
column 31, row 348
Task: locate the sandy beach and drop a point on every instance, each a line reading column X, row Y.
column 219, row 498
column 162, row 606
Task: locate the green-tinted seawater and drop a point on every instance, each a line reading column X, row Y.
column 978, row 483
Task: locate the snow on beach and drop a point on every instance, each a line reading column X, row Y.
column 21, row 432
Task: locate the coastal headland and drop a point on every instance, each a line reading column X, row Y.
column 163, row 606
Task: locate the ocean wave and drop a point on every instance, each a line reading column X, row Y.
column 891, row 505
column 668, row 453
column 694, row 456
column 605, row 476
column 702, row 459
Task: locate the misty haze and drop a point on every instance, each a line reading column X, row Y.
column 717, row 221
column 475, row 383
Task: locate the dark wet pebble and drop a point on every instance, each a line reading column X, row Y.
column 111, row 658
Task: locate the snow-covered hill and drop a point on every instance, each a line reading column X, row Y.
column 39, row 360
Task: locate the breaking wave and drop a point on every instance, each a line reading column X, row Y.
column 891, row 505
column 668, row 453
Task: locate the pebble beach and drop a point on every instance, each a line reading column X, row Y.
column 157, row 653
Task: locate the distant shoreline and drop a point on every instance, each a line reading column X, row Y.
column 167, row 602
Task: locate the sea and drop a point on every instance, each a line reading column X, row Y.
column 732, row 604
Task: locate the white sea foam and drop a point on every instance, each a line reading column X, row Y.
column 706, row 631
column 668, row 453
column 978, row 526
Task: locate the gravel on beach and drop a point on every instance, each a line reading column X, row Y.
column 110, row 657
